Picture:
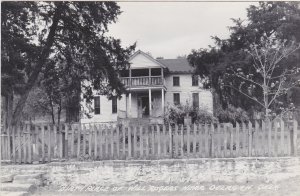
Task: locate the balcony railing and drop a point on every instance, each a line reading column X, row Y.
column 143, row 81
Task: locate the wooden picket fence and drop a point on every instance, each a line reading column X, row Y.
column 45, row 143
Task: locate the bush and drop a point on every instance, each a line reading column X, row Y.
column 176, row 114
column 232, row 115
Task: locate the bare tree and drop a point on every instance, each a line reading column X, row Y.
column 271, row 76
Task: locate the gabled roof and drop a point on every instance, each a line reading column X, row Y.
column 180, row 65
column 147, row 56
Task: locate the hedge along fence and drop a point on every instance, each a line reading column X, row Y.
column 45, row 143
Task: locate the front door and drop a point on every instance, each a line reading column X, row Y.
column 145, row 106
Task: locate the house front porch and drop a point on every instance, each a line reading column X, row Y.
column 146, row 103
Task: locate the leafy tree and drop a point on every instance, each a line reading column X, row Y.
column 17, row 52
column 267, row 79
column 71, row 34
column 270, row 20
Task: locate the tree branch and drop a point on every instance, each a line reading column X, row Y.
column 245, row 94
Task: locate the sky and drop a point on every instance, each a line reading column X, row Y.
column 172, row 29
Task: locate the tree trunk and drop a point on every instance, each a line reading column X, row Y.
column 58, row 115
column 7, row 108
column 52, row 111
column 41, row 61
column 10, row 107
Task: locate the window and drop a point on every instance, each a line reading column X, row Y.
column 195, row 81
column 97, row 105
column 176, row 81
column 176, row 98
column 195, row 100
column 114, row 105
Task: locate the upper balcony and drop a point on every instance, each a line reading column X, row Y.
column 143, row 77
column 143, row 81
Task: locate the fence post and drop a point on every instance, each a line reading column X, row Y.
column 96, row 141
column 256, row 142
column 9, row 142
column 14, row 144
column 118, row 141
column 152, row 140
column 124, row 145
column 289, row 141
column 65, row 140
column 219, row 140
column 101, row 139
column 212, row 148
column 250, row 139
column 37, row 144
column 276, row 135
column 72, row 140
column 281, row 137
column 49, row 143
column 206, row 140
column 245, row 139
column 129, row 142
column 19, row 142
column 269, row 128
column 194, row 139
column 170, row 141
column 295, row 131
column 231, row 140
column 237, row 139
column 106, row 141
column 112, row 149
column 90, row 139
column 30, row 145
column 25, row 143
column 61, row 142
column 176, row 141
column 147, row 141
column 182, row 141
column 141, row 142
column 55, row 147
column 264, row 140
column 78, row 140
column 84, row 139
column 134, row 142
column 43, row 143
column 224, row 154
column 188, row 139
column 1, row 145
column 164, row 140
column 158, row 141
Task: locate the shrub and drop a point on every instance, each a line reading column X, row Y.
column 232, row 115
column 176, row 114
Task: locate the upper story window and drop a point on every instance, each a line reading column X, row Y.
column 114, row 105
column 176, row 81
column 195, row 80
column 176, row 98
column 195, row 100
column 97, row 104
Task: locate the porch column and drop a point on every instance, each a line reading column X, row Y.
column 129, row 76
column 126, row 104
column 150, row 107
column 129, row 104
column 162, row 76
column 163, row 101
column 150, row 76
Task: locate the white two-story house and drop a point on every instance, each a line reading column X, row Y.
column 151, row 84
